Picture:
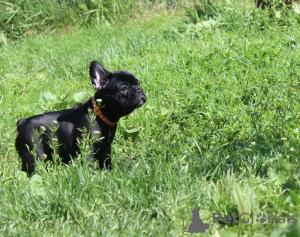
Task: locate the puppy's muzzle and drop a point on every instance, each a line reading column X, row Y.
column 143, row 98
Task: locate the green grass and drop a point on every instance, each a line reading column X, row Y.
column 21, row 18
column 219, row 132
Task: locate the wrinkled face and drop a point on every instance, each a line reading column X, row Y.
column 123, row 92
column 120, row 91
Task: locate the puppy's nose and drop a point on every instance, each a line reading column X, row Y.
column 142, row 95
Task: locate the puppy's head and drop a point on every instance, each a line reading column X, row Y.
column 120, row 91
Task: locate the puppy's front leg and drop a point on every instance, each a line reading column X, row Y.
column 103, row 157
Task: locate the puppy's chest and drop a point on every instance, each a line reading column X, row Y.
column 106, row 136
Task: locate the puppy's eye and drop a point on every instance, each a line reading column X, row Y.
column 124, row 88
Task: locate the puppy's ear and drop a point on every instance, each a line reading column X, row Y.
column 98, row 75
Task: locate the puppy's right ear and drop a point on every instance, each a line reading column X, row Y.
column 98, row 75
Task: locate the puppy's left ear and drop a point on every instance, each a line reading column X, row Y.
column 98, row 75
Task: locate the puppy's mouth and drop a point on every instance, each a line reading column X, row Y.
column 142, row 101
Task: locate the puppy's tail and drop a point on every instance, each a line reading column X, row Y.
column 20, row 123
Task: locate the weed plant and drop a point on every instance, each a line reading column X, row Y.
column 219, row 132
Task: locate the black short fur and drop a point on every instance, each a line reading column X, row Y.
column 120, row 93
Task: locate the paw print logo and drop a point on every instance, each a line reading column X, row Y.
column 196, row 225
column 261, row 218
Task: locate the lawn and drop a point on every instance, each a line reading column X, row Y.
column 219, row 132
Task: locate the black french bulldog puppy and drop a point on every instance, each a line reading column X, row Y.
column 120, row 93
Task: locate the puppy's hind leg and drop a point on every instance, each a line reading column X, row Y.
column 28, row 155
column 28, row 162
